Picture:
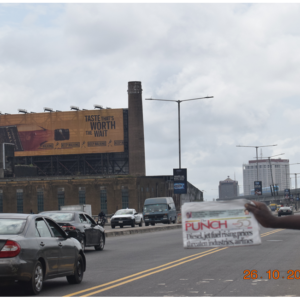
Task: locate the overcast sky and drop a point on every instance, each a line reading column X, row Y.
column 245, row 55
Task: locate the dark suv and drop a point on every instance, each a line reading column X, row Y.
column 285, row 211
column 83, row 227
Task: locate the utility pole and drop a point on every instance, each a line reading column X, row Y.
column 179, row 133
column 257, row 155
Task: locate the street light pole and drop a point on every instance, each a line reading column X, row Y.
column 271, row 170
column 257, row 155
column 286, row 173
column 179, row 134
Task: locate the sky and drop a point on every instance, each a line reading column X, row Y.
column 244, row 55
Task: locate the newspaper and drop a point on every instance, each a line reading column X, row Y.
column 218, row 224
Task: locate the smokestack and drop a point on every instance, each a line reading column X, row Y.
column 136, row 143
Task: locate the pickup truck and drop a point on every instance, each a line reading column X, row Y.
column 127, row 216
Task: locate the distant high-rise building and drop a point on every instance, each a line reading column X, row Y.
column 228, row 188
column 280, row 171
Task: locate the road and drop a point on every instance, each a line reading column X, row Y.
column 155, row 264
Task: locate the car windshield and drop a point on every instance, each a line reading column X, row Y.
column 11, row 226
column 60, row 217
column 159, row 207
column 124, row 212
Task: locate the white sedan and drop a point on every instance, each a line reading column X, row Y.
column 127, row 216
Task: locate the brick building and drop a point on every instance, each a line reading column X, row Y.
column 107, row 180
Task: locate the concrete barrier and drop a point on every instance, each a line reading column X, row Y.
column 139, row 230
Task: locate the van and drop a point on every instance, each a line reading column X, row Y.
column 159, row 210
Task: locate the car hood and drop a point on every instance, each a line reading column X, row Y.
column 122, row 216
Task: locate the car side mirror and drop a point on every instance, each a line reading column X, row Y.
column 136, row 213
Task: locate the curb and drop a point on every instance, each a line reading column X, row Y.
column 113, row 233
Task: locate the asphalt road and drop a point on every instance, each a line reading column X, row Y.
column 155, row 264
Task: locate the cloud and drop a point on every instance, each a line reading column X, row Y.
column 246, row 56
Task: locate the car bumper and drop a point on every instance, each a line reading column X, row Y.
column 11, row 269
column 121, row 222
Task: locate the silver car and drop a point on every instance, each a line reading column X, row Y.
column 33, row 248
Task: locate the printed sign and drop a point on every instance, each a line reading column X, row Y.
column 286, row 194
column 258, row 188
column 218, row 224
column 59, row 133
column 180, row 181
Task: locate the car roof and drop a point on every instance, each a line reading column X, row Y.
column 62, row 211
column 14, row 216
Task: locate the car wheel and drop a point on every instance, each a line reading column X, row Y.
column 133, row 223
column 153, row 224
column 82, row 243
column 146, row 224
column 174, row 220
column 35, row 285
column 141, row 223
column 113, row 226
column 100, row 247
column 121, row 226
column 169, row 222
column 78, row 272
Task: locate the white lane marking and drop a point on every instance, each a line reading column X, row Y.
column 161, row 284
column 196, row 292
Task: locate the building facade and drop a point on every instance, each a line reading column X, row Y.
column 228, row 188
column 103, row 194
column 279, row 169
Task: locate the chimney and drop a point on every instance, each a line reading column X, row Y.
column 136, row 143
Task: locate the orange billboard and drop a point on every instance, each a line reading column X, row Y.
column 63, row 133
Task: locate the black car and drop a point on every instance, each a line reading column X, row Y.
column 34, row 248
column 82, row 226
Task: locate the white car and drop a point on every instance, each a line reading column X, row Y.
column 127, row 216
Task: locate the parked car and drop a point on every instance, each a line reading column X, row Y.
column 127, row 216
column 33, row 248
column 285, row 210
column 82, row 226
column 159, row 210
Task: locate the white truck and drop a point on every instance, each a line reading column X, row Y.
column 127, row 216
column 87, row 208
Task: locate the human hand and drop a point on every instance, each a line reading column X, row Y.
column 262, row 214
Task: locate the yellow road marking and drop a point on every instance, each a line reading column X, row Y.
column 181, row 261
column 92, row 288
column 145, row 275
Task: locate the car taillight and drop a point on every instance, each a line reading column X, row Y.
column 68, row 228
column 10, row 249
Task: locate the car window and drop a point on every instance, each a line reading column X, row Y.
column 57, row 231
column 82, row 218
column 89, row 219
column 11, row 226
column 42, row 228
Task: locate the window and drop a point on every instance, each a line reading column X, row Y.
column 103, row 199
column 40, row 200
column 57, row 232
column 19, row 201
column 42, row 228
column 1, row 201
column 82, row 218
column 124, row 197
column 90, row 220
column 81, row 195
column 61, row 197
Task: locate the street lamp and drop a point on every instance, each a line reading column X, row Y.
column 179, row 101
column 269, row 158
column 286, row 173
column 257, row 155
